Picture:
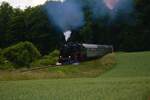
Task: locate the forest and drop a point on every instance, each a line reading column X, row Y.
column 127, row 32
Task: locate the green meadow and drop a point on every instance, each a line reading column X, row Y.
column 129, row 79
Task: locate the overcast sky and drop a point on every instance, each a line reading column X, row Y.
column 24, row 3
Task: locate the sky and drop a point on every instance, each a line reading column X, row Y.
column 24, row 3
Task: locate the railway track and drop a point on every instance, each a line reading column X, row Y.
column 37, row 68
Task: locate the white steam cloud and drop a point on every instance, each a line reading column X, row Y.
column 67, row 35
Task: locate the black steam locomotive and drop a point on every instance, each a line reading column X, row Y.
column 74, row 52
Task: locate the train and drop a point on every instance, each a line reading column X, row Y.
column 71, row 53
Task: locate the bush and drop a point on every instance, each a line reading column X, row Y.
column 50, row 59
column 1, row 57
column 21, row 54
column 4, row 64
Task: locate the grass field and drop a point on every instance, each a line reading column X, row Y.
column 128, row 80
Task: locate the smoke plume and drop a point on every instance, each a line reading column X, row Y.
column 102, row 8
column 68, row 15
column 65, row 15
column 111, row 3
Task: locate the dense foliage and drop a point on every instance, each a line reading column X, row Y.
column 21, row 54
column 32, row 24
column 4, row 64
column 27, row 25
column 47, row 60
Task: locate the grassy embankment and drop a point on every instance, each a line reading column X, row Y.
column 85, row 69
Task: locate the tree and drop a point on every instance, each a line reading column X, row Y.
column 6, row 12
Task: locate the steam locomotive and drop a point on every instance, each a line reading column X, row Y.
column 74, row 52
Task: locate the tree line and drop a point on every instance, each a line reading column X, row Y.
column 32, row 24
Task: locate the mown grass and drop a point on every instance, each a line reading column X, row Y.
column 86, row 69
column 128, row 80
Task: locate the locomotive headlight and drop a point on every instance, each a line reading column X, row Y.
column 69, row 56
column 60, row 56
